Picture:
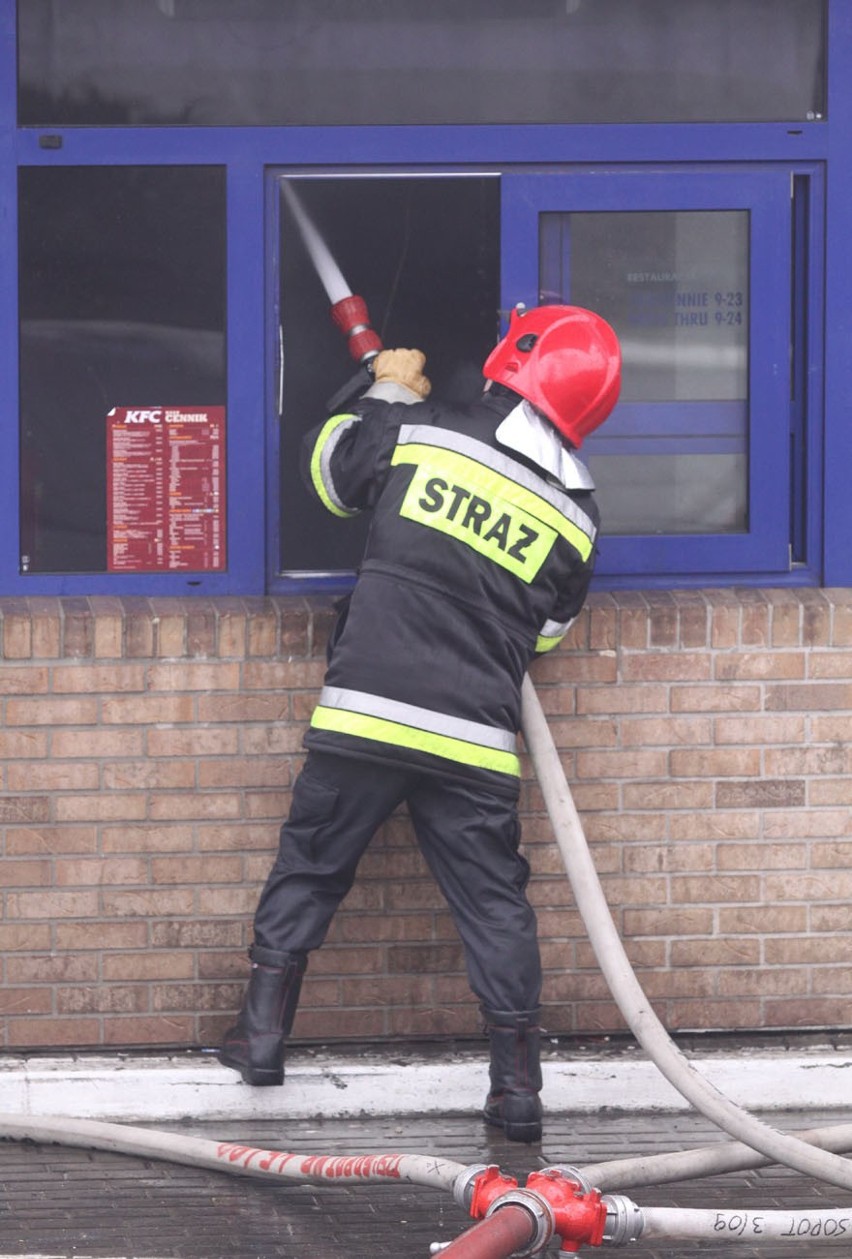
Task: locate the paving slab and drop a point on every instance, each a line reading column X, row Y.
column 64, row 1202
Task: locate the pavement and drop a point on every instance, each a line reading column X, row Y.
column 61, row 1201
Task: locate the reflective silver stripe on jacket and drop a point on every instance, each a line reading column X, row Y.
column 556, row 629
column 420, row 718
column 335, row 428
column 551, row 634
column 446, row 439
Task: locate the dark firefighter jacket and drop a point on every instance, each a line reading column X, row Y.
column 475, row 561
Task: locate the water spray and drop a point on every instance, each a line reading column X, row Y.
column 348, row 311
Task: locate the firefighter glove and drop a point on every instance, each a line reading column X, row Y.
column 403, row 367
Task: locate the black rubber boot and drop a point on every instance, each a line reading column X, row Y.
column 254, row 1046
column 513, row 1103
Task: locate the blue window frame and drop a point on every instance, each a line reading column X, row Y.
column 745, row 427
column 817, row 517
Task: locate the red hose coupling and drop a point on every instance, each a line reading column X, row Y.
column 351, row 316
column 489, row 1185
column 579, row 1215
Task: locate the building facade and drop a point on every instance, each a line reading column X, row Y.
column 167, row 587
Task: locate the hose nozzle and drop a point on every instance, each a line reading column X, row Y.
column 351, row 316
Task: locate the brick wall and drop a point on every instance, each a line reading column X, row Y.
column 148, row 747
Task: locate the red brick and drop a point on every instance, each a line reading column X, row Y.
column 759, row 730
column 762, row 919
column 714, row 698
column 150, row 775
column 99, row 872
column 196, row 934
column 809, row 697
column 24, row 936
column 178, row 806
column 147, row 903
column 758, row 665
column 103, row 678
column 147, row 839
column 805, row 824
column 721, row 890
column 46, row 711
column 102, row 999
column 668, row 795
column 148, row 1029
column 830, row 791
column 53, row 1033
column 77, row 904
column 57, row 968
column 667, row 920
column 26, row 873
column 808, row 950
column 97, row 743
column 23, row 680
column 634, row 763
column 622, row 699
column 193, row 741
column 52, row 776
column 715, row 952
column 665, row 731
column 718, row 763
column 197, row 870
column 762, row 856
column 669, row 666
column 144, row 710
column 709, row 1015
column 767, row 794
column 127, row 806
column 109, row 935
column 46, row 627
column 23, row 744
column 714, row 825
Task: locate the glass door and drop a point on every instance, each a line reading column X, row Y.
column 694, row 272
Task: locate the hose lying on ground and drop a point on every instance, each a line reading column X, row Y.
column 233, row 1157
column 635, row 1008
column 706, row 1160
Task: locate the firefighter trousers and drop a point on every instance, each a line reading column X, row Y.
column 468, row 836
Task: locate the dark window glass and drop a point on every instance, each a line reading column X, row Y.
column 673, row 457
column 424, row 253
column 122, row 304
column 313, row 62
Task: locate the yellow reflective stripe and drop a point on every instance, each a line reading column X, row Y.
column 552, row 633
column 320, row 473
column 504, row 496
column 343, row 721
column 543, row 643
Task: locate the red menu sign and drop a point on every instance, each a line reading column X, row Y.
column 165, row 489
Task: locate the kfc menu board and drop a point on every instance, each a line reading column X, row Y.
column 165, row 489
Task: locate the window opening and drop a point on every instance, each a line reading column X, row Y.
column 423, row 251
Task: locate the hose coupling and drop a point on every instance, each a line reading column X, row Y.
column 571, row 1173
column 486, row 1185
column 624, row 1220
column 463, row 1185
column 538, row 1207
column 579, row 1215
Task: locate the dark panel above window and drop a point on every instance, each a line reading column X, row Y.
column 374, row 62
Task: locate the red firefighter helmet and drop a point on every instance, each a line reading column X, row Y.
column 566, row 361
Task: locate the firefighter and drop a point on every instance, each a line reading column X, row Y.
column 479, row 557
